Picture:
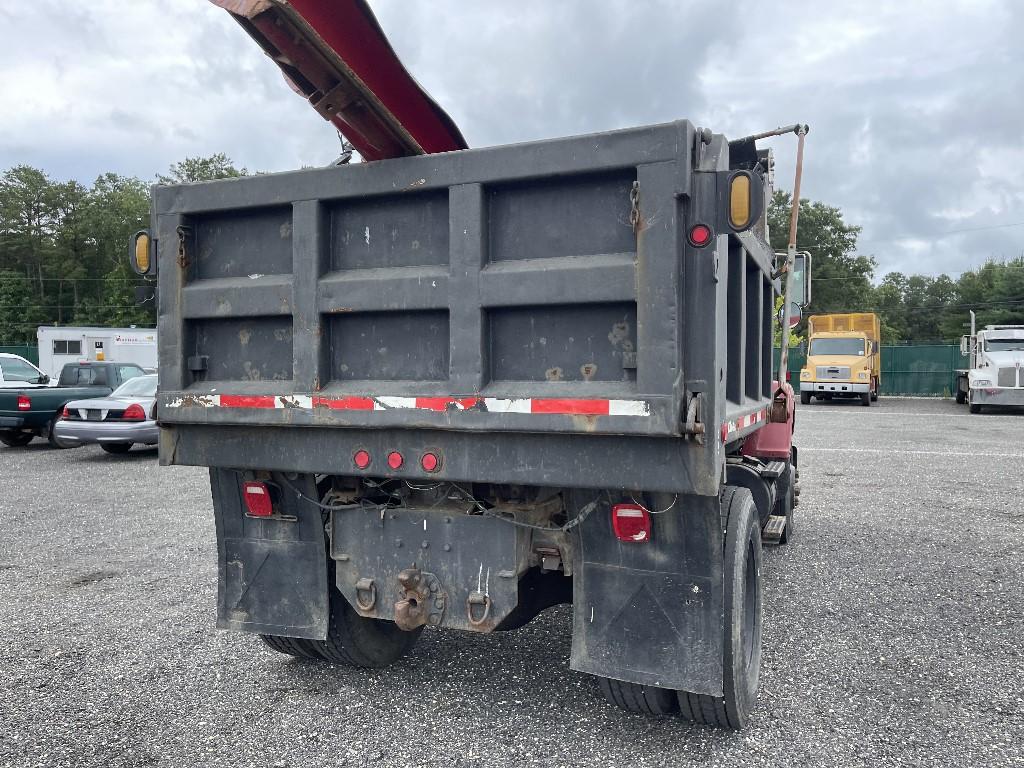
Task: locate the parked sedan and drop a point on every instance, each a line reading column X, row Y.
column 124, row 417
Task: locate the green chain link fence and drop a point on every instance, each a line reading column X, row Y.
column 29, row 351
column 910, row 369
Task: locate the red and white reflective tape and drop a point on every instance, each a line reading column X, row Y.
column 731, row 427
column 547, row 405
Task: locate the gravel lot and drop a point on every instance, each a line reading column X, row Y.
column 893, row 628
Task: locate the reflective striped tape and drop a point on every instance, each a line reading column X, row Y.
column 731, row 427
column 556, row 406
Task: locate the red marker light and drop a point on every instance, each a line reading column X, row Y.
column 361, row 459
column 430, row 462
column 631, row 522
column 257, row 500
column 700, row 235
column 134, row 412
column 395, row 460
column 65, row 414
column 24, row 403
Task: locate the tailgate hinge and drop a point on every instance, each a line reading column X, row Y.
column 693, row 426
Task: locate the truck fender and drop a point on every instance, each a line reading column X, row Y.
column 747, row 475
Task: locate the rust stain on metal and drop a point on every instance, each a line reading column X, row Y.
column 585, row 422
column 554, row 374
column 423, row 600
column 587, row 371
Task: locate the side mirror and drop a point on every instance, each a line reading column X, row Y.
column 140, row 253
column 802, row 278
column 874, row 347
column 44, row 379
column 795, row 315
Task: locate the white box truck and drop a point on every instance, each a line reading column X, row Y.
column 59, row 345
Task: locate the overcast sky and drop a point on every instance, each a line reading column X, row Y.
column 916, row 109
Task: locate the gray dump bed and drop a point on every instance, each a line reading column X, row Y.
column 504, row 307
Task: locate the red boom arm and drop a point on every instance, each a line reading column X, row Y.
column 334, row 53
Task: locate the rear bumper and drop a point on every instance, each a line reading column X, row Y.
column 81, row 432
column 997, row 396
column 835, row 387
column 11, row 422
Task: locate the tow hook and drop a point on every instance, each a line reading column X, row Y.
column 366, row 587
column 423, row 600
column 475, row 600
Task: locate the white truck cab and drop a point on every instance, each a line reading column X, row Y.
column 996, row 373
column 16, row 372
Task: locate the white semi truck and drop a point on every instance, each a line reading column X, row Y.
column 996, row 373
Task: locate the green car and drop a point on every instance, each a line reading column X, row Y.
column 32, row 411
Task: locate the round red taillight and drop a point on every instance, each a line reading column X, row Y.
column 361, row 459
column 395, row 460
column 700, row 235
column 430, row 462
column 134, row 412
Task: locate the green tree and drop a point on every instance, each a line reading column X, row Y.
column 191, row 169
column 841, row 278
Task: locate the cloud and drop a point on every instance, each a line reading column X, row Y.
column 914, row 107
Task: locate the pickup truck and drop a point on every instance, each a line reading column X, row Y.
column 31, row 411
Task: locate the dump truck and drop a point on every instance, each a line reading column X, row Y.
column 996, row 373
column 843, row 358
column 454, row 389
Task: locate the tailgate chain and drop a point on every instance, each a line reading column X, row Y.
column 184, row 233
column 634, row 210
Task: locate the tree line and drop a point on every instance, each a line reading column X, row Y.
column 64, row 247
column 63, row 261
column 912, row 308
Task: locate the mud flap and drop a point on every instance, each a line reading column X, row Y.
column 651, row 613
column 272, row 572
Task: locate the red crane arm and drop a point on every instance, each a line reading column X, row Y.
column 334, row 53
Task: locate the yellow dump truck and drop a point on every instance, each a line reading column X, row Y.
column 843, row 358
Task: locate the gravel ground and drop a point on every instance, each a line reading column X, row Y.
column 893, row 628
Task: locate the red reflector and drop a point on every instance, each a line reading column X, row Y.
column 134, row 412
column 24, row 403
column 789, row 375
column 700, row 235
column 430, row 462
column 631, row 522
column 257, row 500
column 395, row 460
column 65, row 414
column 361, row 459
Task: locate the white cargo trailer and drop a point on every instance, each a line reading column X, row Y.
column 59, row 345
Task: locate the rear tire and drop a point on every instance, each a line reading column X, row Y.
column 298, row 647
column 357, row 641
column 865, row 399
column 805, row 398
column 52, row 439
column 742, row 651
column 16, row 439
column 961, row 397
column 641, row 699
column 116, row 447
